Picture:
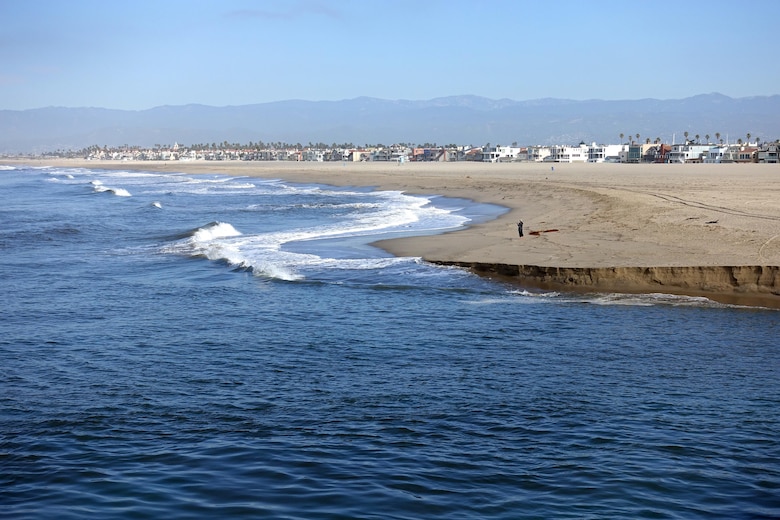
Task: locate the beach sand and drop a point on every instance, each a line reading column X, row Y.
column 694, row 229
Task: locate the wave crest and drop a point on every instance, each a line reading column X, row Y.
column 98, row 187
column 215, row 230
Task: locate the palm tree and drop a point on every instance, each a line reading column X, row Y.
column 686, row 135
column 621, row 137
column 637, row 138
column 717, row 136
column 697, row 137
column 707, row 137
column 748, row 137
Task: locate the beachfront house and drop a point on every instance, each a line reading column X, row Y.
column 769, row 153
column 638, row 152
column 738, row 153
column 522, row 155
column 568, row 154
column 715, row 154
column 313, row 155
column 456, row 154
column 350, row 155
column 359, row 155
column 397, row 154
column 537, row 153
column 599, row 153
column 429, row 154
column 499, row 153
column 380, row 155
column 688, row 153
column 634, row 153
column 657, row 153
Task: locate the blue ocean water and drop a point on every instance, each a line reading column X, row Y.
column 179, row 346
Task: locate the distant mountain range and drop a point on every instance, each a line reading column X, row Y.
column 457, row 119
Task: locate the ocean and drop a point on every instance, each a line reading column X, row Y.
column 204, row 346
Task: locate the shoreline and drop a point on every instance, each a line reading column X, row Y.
column 689, row 229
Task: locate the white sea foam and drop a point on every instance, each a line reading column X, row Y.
column 356, row 216
column 214, row 231
column 526, row 297
column 263, row 254
column 651, row 299
column 604, row 299
column 398, row 213
column 533, row 294
column 119, row 192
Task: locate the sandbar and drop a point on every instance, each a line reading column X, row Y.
column 696, row 229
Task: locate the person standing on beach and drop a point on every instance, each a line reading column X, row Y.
column 520, row 228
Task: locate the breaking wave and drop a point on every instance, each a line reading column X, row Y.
column 98, row 187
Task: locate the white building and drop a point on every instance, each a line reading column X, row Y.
column 499, row 153
column 715, row 154
column 599, row 153
column 568, row 154
column 538, row 153
column 313, row 155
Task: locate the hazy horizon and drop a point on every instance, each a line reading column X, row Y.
column 238, row 52
column 402, row 100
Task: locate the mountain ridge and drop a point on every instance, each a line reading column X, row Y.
column 462, row 119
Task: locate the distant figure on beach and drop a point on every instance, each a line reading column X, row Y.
column 552, row 168
column 520, row 228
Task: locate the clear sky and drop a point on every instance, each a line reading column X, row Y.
column 140, row 54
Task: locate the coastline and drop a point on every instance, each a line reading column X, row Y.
column 688, row 229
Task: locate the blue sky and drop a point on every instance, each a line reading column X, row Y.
column 141, row 54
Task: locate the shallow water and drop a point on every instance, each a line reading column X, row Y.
column 236, row 349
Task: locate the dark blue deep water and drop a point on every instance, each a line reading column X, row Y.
column 176, row 346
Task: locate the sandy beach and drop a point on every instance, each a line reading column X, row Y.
column 697, row 229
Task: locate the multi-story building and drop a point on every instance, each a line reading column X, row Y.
column 537, row 153
column 392, row 154
column 769, row 153
column 429, row 154
column 715, row 154
column 313, row 154
column 499, row 153
column 568, row 154
column 599, row 153
column 738, row 153
column 686, row 153
column 638, row 152
column 658, row 153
